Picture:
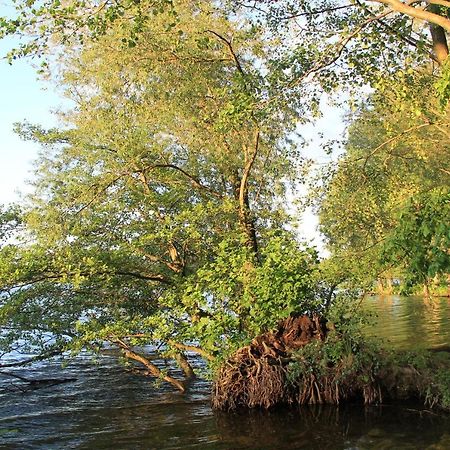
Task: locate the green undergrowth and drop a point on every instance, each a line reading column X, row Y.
column 348, row 365
column 342, row 368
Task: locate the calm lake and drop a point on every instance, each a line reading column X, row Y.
column 107, row 408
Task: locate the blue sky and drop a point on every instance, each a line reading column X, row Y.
column 22, row 98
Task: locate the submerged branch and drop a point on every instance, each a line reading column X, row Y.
column 152, row 369
column 32, row 360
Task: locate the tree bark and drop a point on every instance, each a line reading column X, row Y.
column 439, row 37
column 184, row 365
column 152, row 369
column 428, row 16
column 191, row 348
column 245, row 218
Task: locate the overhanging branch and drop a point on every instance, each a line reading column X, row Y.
column 230, row 49
column 418, row 13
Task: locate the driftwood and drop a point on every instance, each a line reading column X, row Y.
column 32, row 384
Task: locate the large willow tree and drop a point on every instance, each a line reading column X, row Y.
column 157, row 211
column 157, row 215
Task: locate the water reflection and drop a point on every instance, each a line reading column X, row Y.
column 128, row 414
column 106, row 407
column 326, row 427
column 411, row 322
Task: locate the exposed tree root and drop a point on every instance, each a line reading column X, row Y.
column 256, row 375
column 280, row 367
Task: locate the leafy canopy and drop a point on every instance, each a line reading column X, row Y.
column 380, row 197
column 157, row 214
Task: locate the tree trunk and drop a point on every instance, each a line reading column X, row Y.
column 389, row 287
column 439, row 37
column 246, row 221
column 380, row 287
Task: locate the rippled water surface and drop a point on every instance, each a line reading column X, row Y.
column 411, row 322
column 107, row 408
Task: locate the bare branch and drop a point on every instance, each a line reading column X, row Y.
column 36, row 358
column 231, row 50
column 191, row 348
column 195, row 181
column 152, row 369
column 14, row 375
column 55, row 276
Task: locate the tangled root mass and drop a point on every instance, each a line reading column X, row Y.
column 279, row 367
column 256, row 375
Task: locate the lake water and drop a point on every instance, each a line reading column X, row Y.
column 107, row 408
column 411, row 322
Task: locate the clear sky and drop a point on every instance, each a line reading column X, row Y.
column 22, row 98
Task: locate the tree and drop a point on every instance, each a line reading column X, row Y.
column 354, row 42
column 396, row 156
column 420, row 242
column 156, row 217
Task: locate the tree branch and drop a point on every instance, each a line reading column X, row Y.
column 444, row 3
column 408, row 39
column 230, row 49
column 406, row 8
column 392, row 139
column 195, row 181
column 25, row 362
column 99, row 192
column 191, row 348
column 340, row 46
column 152, row 369
column 140, row 276
column 318, row 11
column 244, row 207
column 303, row 14
column 55, row 276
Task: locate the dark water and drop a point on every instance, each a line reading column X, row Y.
column 107, row 408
